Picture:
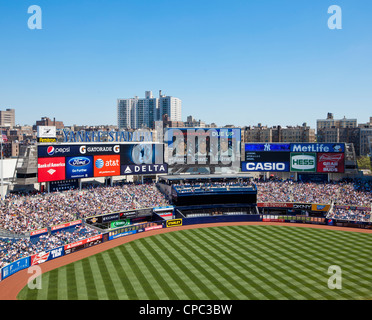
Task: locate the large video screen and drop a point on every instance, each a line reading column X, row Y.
column 58, row 162
column 203, row 147
column 294, row 157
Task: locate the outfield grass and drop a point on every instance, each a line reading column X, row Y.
column 235, row 262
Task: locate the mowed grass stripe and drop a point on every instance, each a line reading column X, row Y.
column 292, row 289
column 184, row 273
column 212, row 287
column 312, row 278
column 147, row 246
column 240, row 255
column 71, row 282
column 304, row 265
column 229, row 272
column 98, row 278
column 223, row 278
column 142, row 280
column 345, row 295
column 89, row 280
column 130, row 273
column 130, row 292
column 152, row 266
column 81, row 284
column 106, row 277
column 254, row 287
column 275, row 278
column 357, row 280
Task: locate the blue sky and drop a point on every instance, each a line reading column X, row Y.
column 230, row 62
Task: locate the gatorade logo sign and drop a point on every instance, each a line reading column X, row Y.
column 303, row 162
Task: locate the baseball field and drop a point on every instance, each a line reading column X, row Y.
column 245, row 262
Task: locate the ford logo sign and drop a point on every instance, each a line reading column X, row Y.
column 79, row 161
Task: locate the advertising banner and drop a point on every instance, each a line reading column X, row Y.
column 266, row 161
column 57, row 150
column 275, row 205
column 38, row 232
column 46, row 256
column 267, row 147
column 118, row 234
column 302, row 206
column 74, row 150
column 79, row 167
column 63, row 185
column 143, row 169
column 14, row 267
column 106, row 166
column 120, row 223
column 83, row 244
column 46, row 134
column 320, row 207
column 303, row 162
column 65, row 225
column 265, row 166
column 51, row 169
column 331, row 163
column 174, row 223
column 318, row 147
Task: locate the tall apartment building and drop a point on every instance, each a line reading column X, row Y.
column 7, row 118
column 135, row 113
column 345, row 130
column 279, row 134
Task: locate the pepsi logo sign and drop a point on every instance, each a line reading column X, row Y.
column 50, row 150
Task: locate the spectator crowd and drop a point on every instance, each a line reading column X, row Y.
column 14, row 249
column 20, row 213
column 356, row 193
column 23, row 213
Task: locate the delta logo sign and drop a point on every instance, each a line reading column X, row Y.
column 106, row 166
column 51, row 169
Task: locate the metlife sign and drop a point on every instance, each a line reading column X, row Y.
column 317, row 147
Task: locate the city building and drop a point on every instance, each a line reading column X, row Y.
column 136, row 113
column 289, row 134
column 45, row 121
column 330, row 122
column 345, row 130
column 7, row 118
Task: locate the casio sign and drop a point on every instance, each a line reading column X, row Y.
column 265, row 166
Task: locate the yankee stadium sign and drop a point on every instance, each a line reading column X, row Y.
column 106, row 136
